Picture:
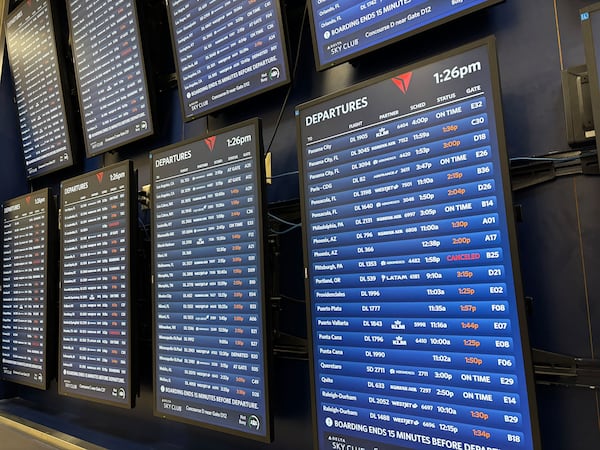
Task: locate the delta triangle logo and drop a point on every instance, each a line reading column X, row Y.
column 28, row 199
column 100, row 176
column 402, row 82
column 210, row 142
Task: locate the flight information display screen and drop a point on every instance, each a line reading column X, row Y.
column 95, row 310
column 417, row 318
column 39, row 93
column 344, row 30
column 110, row 73
column 226, row 51
column 210, row 344
column 590, row 24
column 26, row 254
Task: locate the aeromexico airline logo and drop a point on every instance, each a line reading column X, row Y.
column 100, row 177
column 402, row 82
column 210, row 142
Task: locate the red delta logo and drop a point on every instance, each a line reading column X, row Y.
column 210, row 142
column 100, row 176
column 28, row 199
column 402, row 82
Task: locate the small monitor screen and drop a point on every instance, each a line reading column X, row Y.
column 417, row 318
column 39, row 93
column 226, row 50
column 110, row 73
column 210, row 338
column 344, row 30
column 95, row 308
column 26, row 306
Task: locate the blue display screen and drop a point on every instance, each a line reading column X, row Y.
column 25, row 257
column 39, row 95
column 95, row 361
column 226, row 51
column 208, row 291
column 109, row 67
column 343, row 30
column 415, row 312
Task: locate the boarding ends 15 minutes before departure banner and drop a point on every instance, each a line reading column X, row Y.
column 416, row 314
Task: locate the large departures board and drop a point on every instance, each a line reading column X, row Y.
column 210, row 337
column 417, row 317
column 96, row 341
column 343, row 30
column 226, row 51
column 34, row 62
column 28, row 309
column 110, row 73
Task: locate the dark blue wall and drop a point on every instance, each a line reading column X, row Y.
column 559, row 235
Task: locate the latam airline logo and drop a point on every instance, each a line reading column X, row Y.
column 402, row 82
column 100, row 176
column 210, row 142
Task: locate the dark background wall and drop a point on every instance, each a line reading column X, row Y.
column 559, row 234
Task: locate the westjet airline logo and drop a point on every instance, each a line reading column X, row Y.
column 100, row 176
column 402, row 82
column 210, row 142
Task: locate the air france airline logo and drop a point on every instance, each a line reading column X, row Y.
column 210, row 142
column 100, row 176
column 402, row 82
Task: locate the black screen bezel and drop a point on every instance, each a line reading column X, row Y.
column 205, row 112
column 150, row 131
column 3, row 16
column 49, row 331
column 496, row 96
column 266, row 316
column 336, row 62
column 130, row 216
column 67, row 110
column 589, row 45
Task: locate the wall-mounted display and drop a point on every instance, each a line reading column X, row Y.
column 27, row 301
column 590, row 23
column 110, row 73
column 95, row 360
column 226, row 51
column 30, row 40
column 210, row 335
column 345, row 30
column 416, row 311
column 3, row 14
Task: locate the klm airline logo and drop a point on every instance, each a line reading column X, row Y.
column 402, row 82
